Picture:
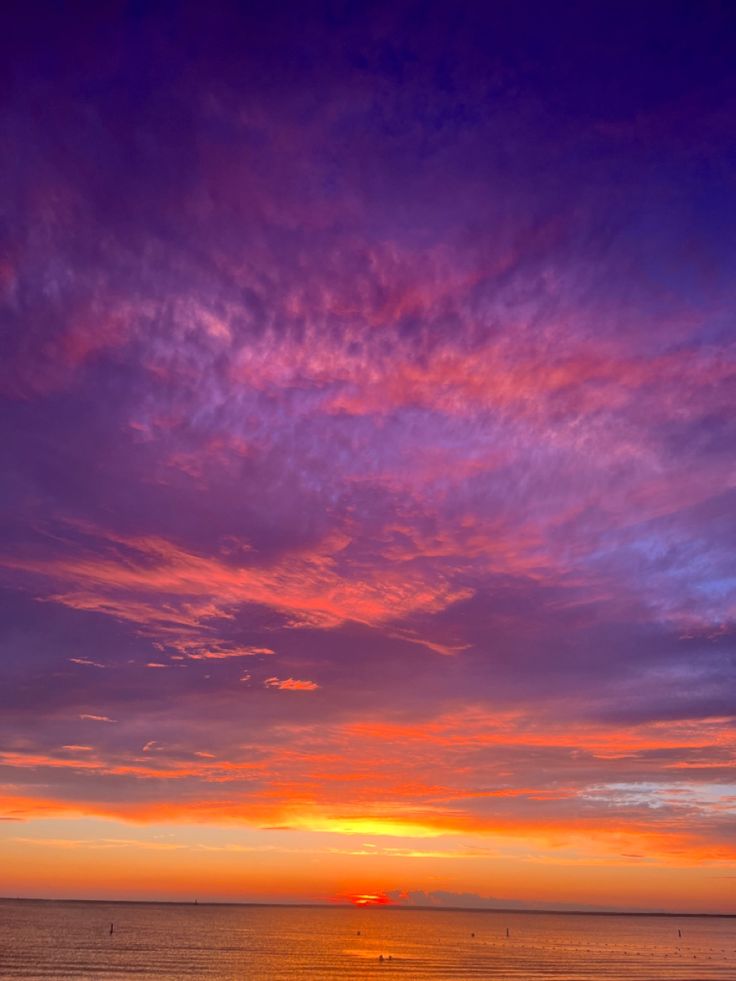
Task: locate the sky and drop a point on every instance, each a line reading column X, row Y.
column 368, row 388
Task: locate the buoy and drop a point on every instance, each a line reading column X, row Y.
column 111, row 928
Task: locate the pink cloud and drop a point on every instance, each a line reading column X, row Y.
column 220, row 655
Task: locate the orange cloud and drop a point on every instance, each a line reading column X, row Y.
column 311, row 587
column 219, row 655
column 291, row 684
column 427, row 781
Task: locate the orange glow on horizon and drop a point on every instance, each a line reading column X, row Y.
column 366, row 899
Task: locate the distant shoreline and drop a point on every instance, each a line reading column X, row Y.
column 388, row 906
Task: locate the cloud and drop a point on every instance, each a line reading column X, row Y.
column 220, row 655
column 309, row 588
column 290, row 684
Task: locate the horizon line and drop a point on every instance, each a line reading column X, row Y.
column 530, row 910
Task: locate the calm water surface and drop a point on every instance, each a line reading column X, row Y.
column 59, row 940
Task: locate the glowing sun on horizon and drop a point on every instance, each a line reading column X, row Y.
column 369, row 899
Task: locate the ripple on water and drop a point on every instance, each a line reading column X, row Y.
column 56, row 941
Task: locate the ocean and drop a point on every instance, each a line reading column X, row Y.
column 167, row 942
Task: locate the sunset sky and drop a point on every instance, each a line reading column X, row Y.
column 368, row 380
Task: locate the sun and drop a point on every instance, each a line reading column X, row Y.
column 369, row 899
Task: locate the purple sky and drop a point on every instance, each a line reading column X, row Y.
column 369, row 399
